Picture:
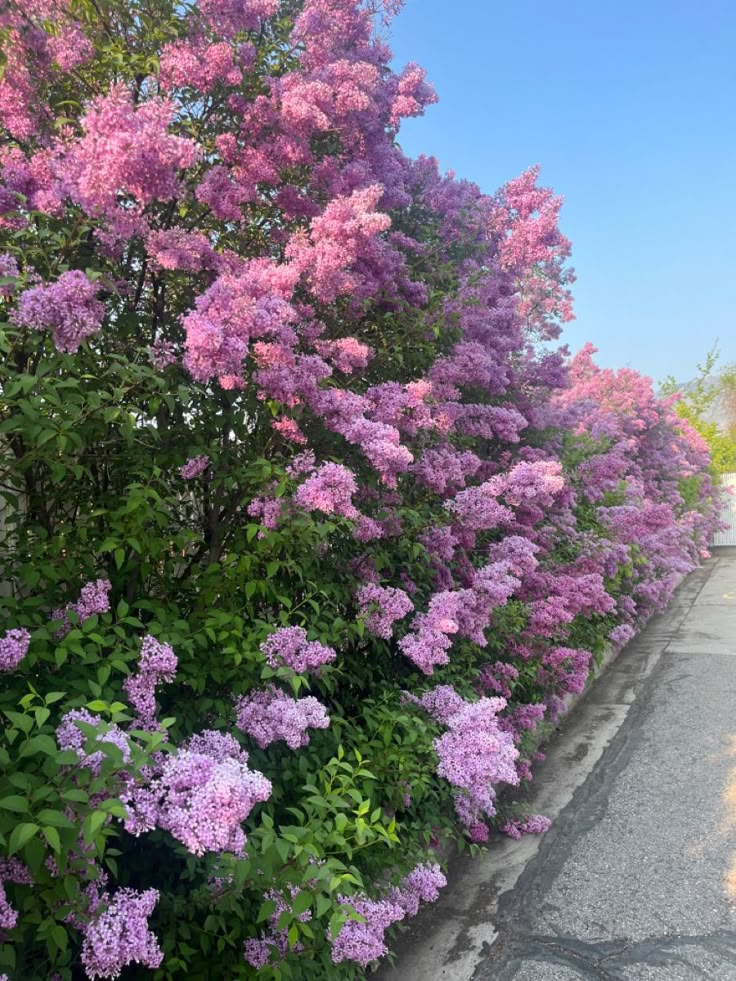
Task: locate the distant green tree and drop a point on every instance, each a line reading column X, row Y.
column 697, row 401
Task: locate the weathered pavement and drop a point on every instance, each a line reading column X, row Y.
column 636, row 880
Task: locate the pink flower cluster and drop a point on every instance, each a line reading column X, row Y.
column 126, row 149
column 250, row 305
column 197, row 64
column 230, row 17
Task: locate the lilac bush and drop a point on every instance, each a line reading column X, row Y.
column 311, row 527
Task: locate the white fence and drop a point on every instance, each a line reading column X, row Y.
column 728, row 536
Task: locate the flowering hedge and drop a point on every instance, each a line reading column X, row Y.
column 309, row 526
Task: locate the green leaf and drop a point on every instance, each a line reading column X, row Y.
column 40, row 744
column 92, row 824
column 76, row 795
column 57, row 818
column 21, row 835
column 23, row 722
column 14, row 803
column 52, row 837
column 323, row 904
column 336, row 921
column 115, row 807
column 267, row 908
column 302, row 902
column 41, row 715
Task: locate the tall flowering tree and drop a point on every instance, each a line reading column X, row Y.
column 309, row 527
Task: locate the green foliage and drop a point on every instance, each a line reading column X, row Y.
column 696, row 404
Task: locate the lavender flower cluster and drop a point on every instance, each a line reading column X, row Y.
column 201, row 795
column 120, row 935
column 290, row 647
column 13, row 648
column 363, row 942
column 93, row 600
column 269, row 715
column 157, row 663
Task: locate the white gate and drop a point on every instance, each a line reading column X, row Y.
column 728, row 536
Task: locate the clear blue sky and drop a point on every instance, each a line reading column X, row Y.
column 630, row 108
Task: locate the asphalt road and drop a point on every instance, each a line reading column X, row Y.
column 636, row 880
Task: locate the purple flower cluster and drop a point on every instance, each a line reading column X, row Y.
column 157, row 663
column 523, row 718
column 429, row 642
column 442, row 702
column 162, row 353
column 422, row 884
column 70, row 736
column 330, row 489
column 478, row 833
column 270, row 715
column 478, row 509
column 621, row 635
column 69, row 308
column 258, row 950
column 120, row 935
column 363, row 942
column 13, row 648
column 201, row 795
column 8, row 915
column 8, row 270
column 518, row 553
column 475, row 754
column 13, row 870
column 290, row 647
column 194, row 466
column 499, row 677
column 382, row 607
column 570, row 667
column 93, row 600
column 533, row 824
